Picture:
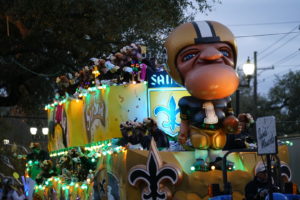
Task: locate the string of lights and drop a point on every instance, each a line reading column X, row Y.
column 94, row 150
column 80, row 94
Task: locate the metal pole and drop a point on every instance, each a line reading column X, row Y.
column 255, row 80
column 278, row 174
column 269, row 176
column 226, row 184
column 7, row 26
column 237, row 102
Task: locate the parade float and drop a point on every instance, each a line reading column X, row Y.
column 117, row 138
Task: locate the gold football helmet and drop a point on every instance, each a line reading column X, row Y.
column 195, row 33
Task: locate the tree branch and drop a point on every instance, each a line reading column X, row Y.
column 24, row 32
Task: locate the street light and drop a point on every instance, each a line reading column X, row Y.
column 255, row 69
column 39, row 134
column 249, row 70
column 33, row 130
column 255, row 80
column 45, row 131
column 6, row 141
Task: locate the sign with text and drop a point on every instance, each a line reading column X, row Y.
column 160, row 79
column 266, row 135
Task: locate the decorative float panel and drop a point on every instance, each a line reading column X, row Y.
column 97, row 115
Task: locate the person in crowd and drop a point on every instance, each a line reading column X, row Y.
column 159, row 136
column 286, row 179
column 37, row 153
column 257, row 189
column 18, row 193
column 1, row 189
column 7, row 189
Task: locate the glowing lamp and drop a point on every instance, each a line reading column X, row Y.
column 5, row 141
column 33, row 130
column 45, row 131
column 248, row 68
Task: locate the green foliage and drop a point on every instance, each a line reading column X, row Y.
column 282, row 102
column 42, row 39
column 285, row 100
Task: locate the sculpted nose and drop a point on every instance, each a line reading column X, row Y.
column 210, row 54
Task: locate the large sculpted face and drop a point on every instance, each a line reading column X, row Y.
column 207, row 70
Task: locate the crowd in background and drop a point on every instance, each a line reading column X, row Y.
column 10, row 189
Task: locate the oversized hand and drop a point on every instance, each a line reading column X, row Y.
column 245, row 120
column 231, row 125
column 182, row 138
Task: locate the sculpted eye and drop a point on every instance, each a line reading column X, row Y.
column 188, row 57
column 225, row 52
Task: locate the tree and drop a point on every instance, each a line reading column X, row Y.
column 284, row 99
column 281, row 102
column 43, row 39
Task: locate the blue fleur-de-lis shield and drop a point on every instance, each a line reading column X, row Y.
column 171, row 111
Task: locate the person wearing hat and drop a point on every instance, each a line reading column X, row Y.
column 257, row 189
column 47, row 171
column 286, row 179
column 202, row 56
column 37, row 153
column 152, row 130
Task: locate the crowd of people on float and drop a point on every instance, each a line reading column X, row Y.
column 74, row 165
column 123, row 67
column 139, row 134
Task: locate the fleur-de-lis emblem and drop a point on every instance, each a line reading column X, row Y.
column 153, row 174
column 171, row 112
